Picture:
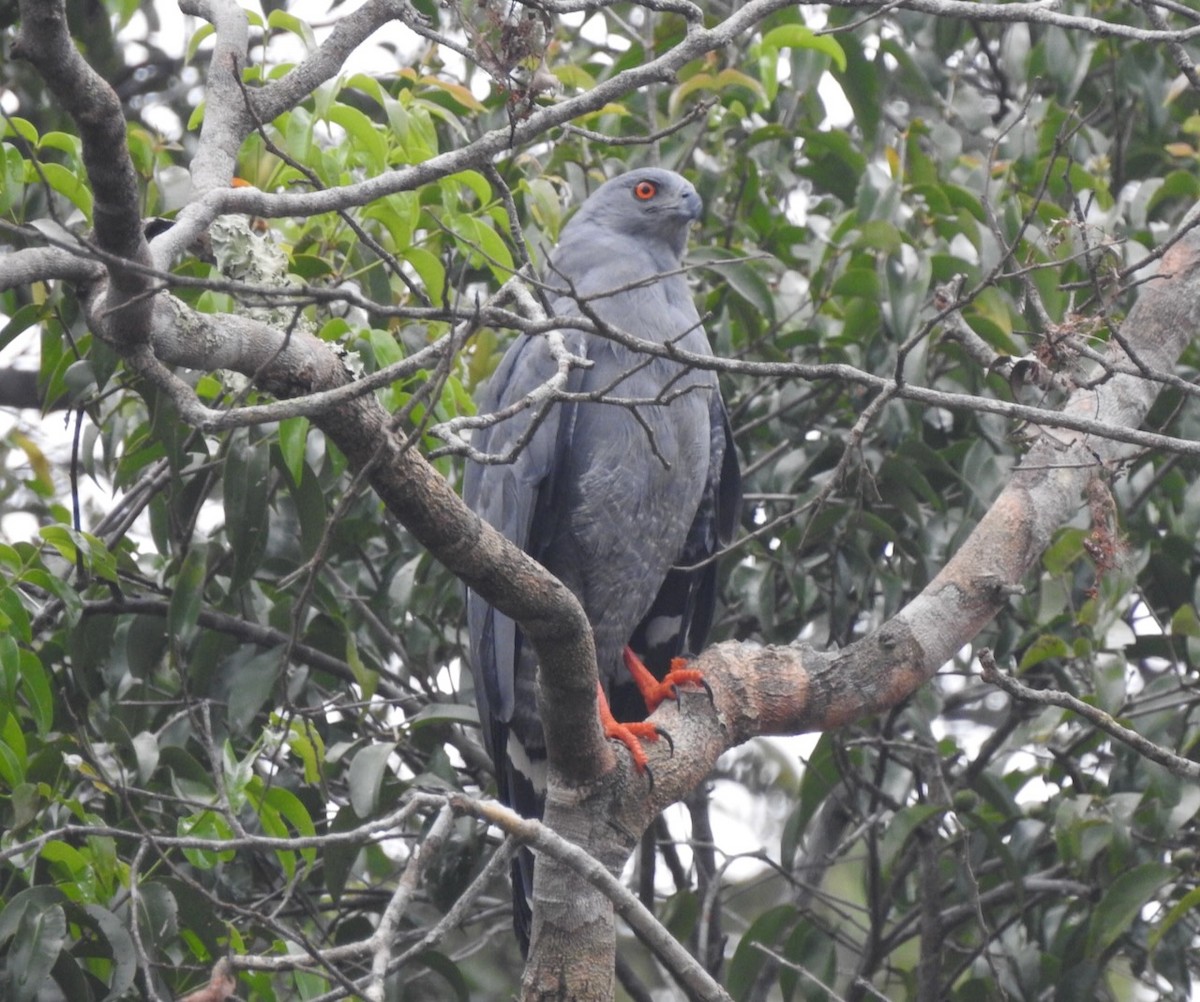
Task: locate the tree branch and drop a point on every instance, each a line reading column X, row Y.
column 1033, row 12
column 45, row 41
column 1052, row 697
column 689, row 972
column 45, row 264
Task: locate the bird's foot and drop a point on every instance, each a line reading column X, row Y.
column 655, row 691
column 631, row 735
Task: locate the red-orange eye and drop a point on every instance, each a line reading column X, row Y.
column 645, row 190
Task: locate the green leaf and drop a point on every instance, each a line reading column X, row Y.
column 201, row 33
column 245, row 490
column 1045, row 647
column 743, row 277
column 188, row 595
column 401, row 214
column 338, row 859
column 121, row 950
column 1190, row 902
column 367, row 679
column 63, row 142
column 310, row 267
column 206, row 825
column 22, row 319
column 821, row 777
column 834, row 163
column 902, row 825
column 1122, row 903
column 476, row 182
column 726, row 79
column 290, row 807
column 747, row 961
column 158, row 915
column 860, row 82
column 477, row 235
column 305, row 741
column 857, row 283
column 14, row 617
column 365, row 136
column 384, row 347
column 796, row 36
column 62, row 539
column 448, row 969
column 445, row 713
column 431, row 271
column 293, row 445
column 545, row 207
column 12, row 188
column 367, row 772
column 22, row 127
column 274, row 827
column 280, row 19
column 368, row 85
column 414, row 130
column 1185, row 622
column 13, row 753
column 69, row 186
column 457, row 91
column 145, row 750
column 37, row 942
column 1066, row 549
column 1176, row 185
column 251, row 682
column 35, row 684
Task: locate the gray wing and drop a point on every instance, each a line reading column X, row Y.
column 513, row 497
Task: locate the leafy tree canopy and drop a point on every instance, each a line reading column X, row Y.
column 243, row 327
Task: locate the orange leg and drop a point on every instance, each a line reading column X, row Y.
column 630, row 735
column 653, row 691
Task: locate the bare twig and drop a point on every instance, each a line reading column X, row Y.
column 1053, row 697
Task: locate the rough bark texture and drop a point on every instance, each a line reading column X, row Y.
column 45, row 41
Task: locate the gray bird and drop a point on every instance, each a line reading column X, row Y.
column 619, row 500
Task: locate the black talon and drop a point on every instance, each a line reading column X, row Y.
column 670, row 740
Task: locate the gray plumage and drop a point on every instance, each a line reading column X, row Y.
column 610, row 504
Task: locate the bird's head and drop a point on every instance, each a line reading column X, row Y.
column 649, row 204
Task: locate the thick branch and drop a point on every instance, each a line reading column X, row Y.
column 45, row 41
column 44, row 264
column 226, row 121
column 550, row 845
